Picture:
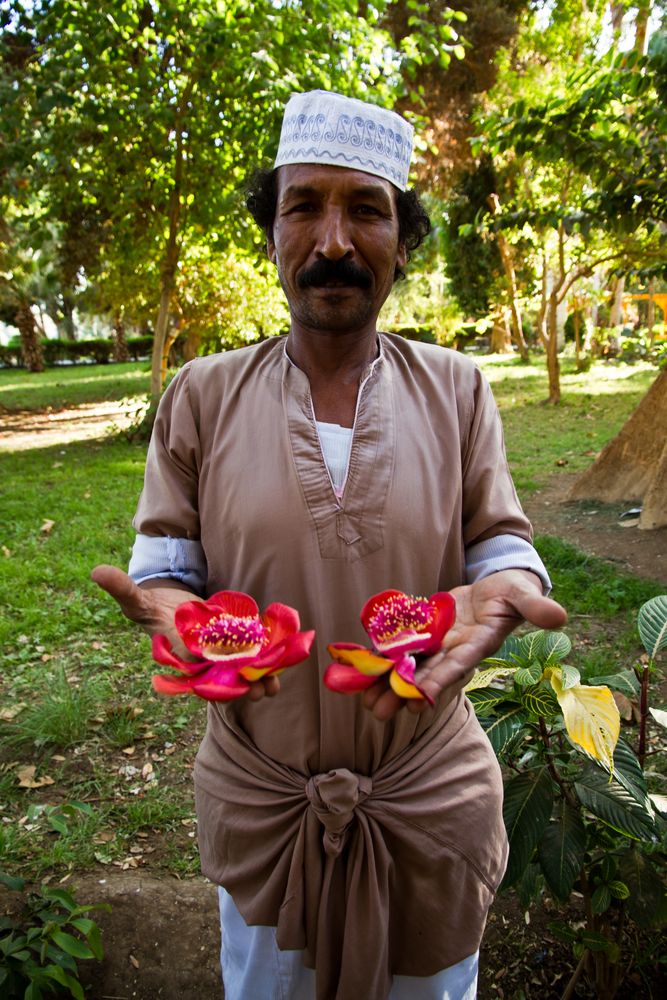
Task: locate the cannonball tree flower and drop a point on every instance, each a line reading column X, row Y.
column 401, row 627
column 233, row 645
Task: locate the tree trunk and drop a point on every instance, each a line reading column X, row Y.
column 31, row 345
column 633, row 465
column 616, row 312
column 191, row 345
column 68, row 316
column 120, row 351
column 510, row 274
column 553, row 364
column 641, row 26
column 171, row 256
column 501, row 339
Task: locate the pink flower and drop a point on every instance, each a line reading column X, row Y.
column 400, row 627
column 235, row 645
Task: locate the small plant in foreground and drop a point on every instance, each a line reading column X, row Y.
column 577, row 809
column 39, row 951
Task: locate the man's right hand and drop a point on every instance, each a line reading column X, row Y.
column 152, row 606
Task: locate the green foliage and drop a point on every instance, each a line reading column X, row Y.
column 61, row 716
column 472, row 257
column 39, row 951
column 573, row 824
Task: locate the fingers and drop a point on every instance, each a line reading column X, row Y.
column 542, row 611
column 266, row 687
column 123, row 590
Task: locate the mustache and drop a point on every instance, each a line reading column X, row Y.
column 324, row 271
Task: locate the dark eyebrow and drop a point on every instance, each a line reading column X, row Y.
column 368, row 191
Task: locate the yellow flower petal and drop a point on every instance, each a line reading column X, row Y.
column 403, row 688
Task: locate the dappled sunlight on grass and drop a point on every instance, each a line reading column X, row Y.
column 69, row 385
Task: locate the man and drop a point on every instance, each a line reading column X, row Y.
column 359, row 840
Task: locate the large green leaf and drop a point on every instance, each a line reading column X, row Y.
column 532, row 646
column 526, row 811
column 509, row 654
column 540, row 701
column 504, row 728
column 647, row 903
column 561, row 850
column 528, row 675
column 625, row 681
column 652, row 624
column 71, row 945
column 628, row 772
column 611, row 802
column 486, row 700
column 556, row 646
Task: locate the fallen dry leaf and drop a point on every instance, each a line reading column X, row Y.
column 129, row 750
column 134, row 961
column 47, row 526
column 26, row 776
column 147, row 772
column 9, row 713
column 624, row 705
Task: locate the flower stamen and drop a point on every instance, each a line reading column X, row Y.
column 400, row 615
column 227, row 634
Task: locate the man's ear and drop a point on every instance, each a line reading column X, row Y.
column 270, row 249
column 401, row 256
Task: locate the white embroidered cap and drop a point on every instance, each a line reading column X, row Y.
column 323, row 127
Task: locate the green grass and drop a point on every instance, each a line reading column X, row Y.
column 79, row 675
column 69, row 385
column 542, row 438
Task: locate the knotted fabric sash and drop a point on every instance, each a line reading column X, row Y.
column 372, row 877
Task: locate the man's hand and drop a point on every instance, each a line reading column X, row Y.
column 152, row 606
column 486, row 613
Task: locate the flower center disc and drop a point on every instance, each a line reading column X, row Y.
column 398, row 616
column 226, row 635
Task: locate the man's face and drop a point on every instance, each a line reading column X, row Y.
column 335, row 244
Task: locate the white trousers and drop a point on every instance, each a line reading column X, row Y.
column 254, row 968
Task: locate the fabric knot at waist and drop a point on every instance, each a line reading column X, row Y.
column 334, row 796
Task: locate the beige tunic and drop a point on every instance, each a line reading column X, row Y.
column 375, row 846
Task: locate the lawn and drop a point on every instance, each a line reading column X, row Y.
column 77, row 704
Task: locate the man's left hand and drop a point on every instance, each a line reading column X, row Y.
column 486, row 612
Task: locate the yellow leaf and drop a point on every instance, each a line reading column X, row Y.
column 483, row 678
column 591, row 717
column 47, row 526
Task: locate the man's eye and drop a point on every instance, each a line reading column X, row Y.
column 303, row 206
column 367, row 210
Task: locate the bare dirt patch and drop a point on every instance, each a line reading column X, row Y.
column 21, row 430
column 599, row 529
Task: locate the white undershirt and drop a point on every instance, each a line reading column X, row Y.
column 336, row 444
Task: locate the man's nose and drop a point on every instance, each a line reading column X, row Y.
column 334, row 239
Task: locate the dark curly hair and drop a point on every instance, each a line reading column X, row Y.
column 414, row 224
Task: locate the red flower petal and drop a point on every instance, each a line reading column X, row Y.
column 444, row 617
column 346, row 680
column 373, row 603
column 281, row 621
column 164, row 654
column 170, row 684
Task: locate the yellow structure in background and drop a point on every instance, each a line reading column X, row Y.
column 660, row 299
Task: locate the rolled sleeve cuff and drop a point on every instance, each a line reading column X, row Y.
column 504, row 552
column 165, row 557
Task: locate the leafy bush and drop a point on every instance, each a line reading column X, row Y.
column 577, row 808
column 39, row 950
